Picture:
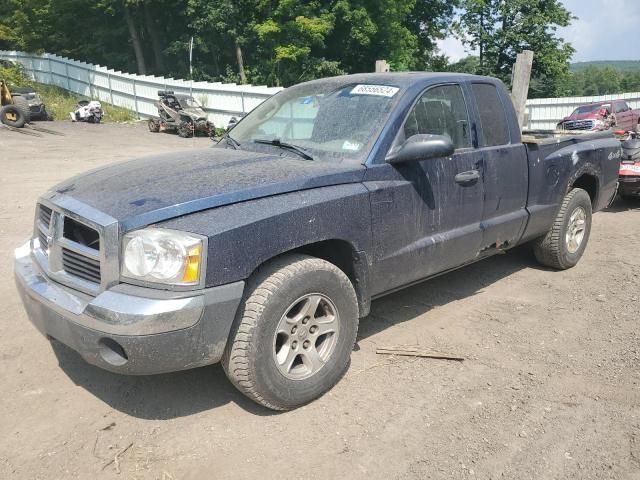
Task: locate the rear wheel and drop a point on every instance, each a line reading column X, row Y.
column 293, row 335
column 563, row 246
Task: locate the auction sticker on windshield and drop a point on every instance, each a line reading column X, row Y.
column 379, row 90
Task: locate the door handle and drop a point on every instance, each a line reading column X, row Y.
column 467, row 178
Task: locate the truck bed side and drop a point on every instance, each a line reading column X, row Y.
column 588, row 161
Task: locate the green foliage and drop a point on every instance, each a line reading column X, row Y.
column 277, row 42
column 282, row 42
column 632, row 66
column 500, row 29
column 594, row 80
column 60, row 102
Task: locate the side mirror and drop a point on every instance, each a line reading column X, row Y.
column 422, row 147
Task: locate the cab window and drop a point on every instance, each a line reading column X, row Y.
column 621, row 107
column 441, row 111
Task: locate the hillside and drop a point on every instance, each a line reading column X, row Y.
column 622, row 65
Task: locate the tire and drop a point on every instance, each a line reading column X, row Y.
column 275, row 297
column 555, row 249
column 185, row 129
column 23, row 105
column 18, row 120
column 154, row 125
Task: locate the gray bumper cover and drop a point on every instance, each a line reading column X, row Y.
column 128, row 329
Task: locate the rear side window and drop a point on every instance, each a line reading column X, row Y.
column 493, row 118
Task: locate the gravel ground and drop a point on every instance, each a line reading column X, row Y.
column 549, row 388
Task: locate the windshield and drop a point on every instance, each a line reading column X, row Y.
column 329, row 119
column 189, row 102
column 591, row 108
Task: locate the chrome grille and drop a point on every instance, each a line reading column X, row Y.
column 44, row 214
column 42, row 236
column 579, row 125
column 75, row 263
column 69, row 247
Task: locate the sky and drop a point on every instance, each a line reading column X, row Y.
column 604, row 30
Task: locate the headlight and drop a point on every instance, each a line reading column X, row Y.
column 162, row 256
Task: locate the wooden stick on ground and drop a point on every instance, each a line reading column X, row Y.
column 116, row 459
column 416, row 352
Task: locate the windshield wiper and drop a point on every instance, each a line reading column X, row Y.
column 231, row 141
column 287, row 146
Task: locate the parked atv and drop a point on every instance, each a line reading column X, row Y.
column 37, row 108
column 87, row 111
column 182, row 113
column 629, row 179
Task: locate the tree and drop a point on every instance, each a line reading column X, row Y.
column 230, row 21
column 429, row 21
column 469, row 64
column 500, row 29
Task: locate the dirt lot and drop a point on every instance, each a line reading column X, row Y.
column 550, row 388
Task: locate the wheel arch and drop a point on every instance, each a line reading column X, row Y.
column 343, row 255
column 587, row 181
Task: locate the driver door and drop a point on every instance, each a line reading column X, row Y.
column 425, row 219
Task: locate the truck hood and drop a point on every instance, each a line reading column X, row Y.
column 152, row 189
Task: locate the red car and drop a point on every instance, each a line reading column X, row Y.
column 602, row 116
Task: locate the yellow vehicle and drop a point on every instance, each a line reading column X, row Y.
column 14, row 110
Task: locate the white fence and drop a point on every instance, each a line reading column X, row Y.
column 221, row 101
column 544, row 113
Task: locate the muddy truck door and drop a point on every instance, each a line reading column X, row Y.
column 504, row 164
column 426, row 218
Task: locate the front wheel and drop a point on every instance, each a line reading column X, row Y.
column 185, row 129
column 563, row 245
column 294, row 333
column 154, row 125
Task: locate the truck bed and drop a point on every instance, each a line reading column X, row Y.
column 543, row 137
column 559, row 158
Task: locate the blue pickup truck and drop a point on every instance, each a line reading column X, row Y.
column 264, row 251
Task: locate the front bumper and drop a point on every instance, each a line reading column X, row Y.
column 128, row 329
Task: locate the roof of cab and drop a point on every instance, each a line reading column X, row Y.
column 402, row 79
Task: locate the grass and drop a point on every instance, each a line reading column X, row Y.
column 59, row 101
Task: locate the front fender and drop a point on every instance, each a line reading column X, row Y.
column 244, row 235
